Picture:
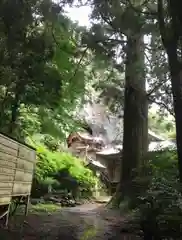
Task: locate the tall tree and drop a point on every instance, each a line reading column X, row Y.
column 120, row 36
column 27, row 52
column 170, row 20
column 41, row 70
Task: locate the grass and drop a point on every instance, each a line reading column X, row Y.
column 39, row 208
column 44, row 208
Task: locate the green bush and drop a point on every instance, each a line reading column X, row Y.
column 51, row 143
column 159, row 211
column 40, row 186
column 49, row 164
column 164, row 164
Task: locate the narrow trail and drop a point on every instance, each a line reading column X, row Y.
column 89, row 221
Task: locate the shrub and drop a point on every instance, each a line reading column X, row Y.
column 51, row 164
column 159, row 211
column 51, row 143
column 40, row 187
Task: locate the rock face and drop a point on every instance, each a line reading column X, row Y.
column 103, row 123
column 109, row 127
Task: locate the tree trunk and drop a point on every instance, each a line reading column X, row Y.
column 15, row 109
column 2, row 108
column 135, row 139
column 172, row 44
column 176, row 81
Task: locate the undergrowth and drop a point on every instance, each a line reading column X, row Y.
column 159, row 210
column 62, row 171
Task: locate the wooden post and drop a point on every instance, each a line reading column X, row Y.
column 49, row 188
column 96, row 185
column 7, row 215
column 27, row 205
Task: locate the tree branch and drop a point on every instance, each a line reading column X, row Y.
column 79, row 63
column 58, row 44
column 170, row 111
column 110, row 23
column 156, row 87
column 150, row 12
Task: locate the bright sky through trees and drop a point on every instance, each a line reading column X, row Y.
column 80, row 15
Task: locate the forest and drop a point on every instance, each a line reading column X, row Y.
column 130, row 60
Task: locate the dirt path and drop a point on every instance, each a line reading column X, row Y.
column 89, row 221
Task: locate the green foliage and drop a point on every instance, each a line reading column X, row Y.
column 27, row 53
column 51, row 143
column 159, row 211
column 164, row 164
column 162, row 125
column 49, row 164
column 42, row 77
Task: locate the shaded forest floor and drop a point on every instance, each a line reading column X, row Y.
column 89, row 221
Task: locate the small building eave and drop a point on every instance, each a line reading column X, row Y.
column 109, row 153
column 96, row 163
column 155, row 136
column 161, row 146
column 153, row 147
